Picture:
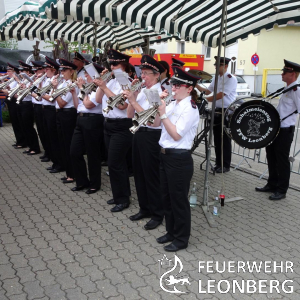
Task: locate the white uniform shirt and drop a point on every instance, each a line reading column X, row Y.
column 166, row 84
column 28, row 98
column 143, row 101
column 116, row 88
column 40, row 85
column 186, row 119
column 95, row 110
column 68, row 98
column 44, row 101
column 13, row 84
column 228, row 88
column 288, row 103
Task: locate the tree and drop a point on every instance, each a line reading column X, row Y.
column 10, row 44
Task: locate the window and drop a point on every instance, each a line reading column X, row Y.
column 181, row 47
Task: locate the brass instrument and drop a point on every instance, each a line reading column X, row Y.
column 4, row 85
column 147, row 116
column 3, row 77
column 62, row 91
column 119, row 99
column 22, row 94
column 45, row 90
column 15, row 90
column 91, row 87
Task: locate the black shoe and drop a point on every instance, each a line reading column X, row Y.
column 26, row 151
column 266, row 188
column 46, row 159
column 152, row 224
column 219, row 170
column 139, row 216
column 111, row 202
column 173, row 248
column 277, row 196
column 165, row 239
column 43, row 156
column 34, row 153
column 68, row 181
column 119, row 207
column 78, row 188
column 14, row 145
column 56, row 170
column 215, row 167
column 104, row 164
column 49, row 168
column 19, row 147
column 91, row 191
column 64, row 178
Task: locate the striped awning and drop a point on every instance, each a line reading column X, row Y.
column 191, row 20
column 120, row 36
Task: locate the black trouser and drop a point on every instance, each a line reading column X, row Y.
column 87, row 139
column 145, row 158
column 39, row 121
column 17, row 126
column 66, row 122
column 278, row 160
column 26, row 118
column 51, row 132
column 118, row 140
column 176, row 171
column 217, row 129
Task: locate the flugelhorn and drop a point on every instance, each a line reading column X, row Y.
column 45, row 90
column 62, row 91
column 3, row 77
column 15, row 90
column 119, row 99
column 4, row 85
column 147, row 116
column 91, row 87
column 30, row 89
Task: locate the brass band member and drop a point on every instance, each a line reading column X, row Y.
column 165, row 77
column 12, row 108
column 79, row 61
column 278, row 152
column 146, row 149
column 179, row 121
column 87, row 138
column 26, row 116
column 118, row 138
column 66, row 115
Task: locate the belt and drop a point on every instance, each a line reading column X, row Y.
column 111, row 120
column 66, row 109
column 87, row 114
column 141, row 129
column 173, row 151
column 48, row 107
column 290, row 129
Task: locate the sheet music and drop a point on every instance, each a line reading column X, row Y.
column 91, row 70
column 152, row 96
column 122, row 78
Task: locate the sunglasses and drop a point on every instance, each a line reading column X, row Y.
column 286, row 71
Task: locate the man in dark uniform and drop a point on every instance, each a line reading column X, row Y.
column 177, row 63
column 226, row 92
column 79, row 61
column 278, row 152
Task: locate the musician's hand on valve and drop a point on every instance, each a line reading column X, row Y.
column 162, row 108
column 164, row 94
column 80, row 82
column 99, row 82
column 131, row 96
column 55, row 82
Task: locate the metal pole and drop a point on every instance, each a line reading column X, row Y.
column 206, row 183
column 95, row 39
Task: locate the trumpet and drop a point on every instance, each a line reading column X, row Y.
column 18, row 87
column 119, row 99
column 62, row 91
column 147, row 116
column 29, row 90
column 4, row 85
column 46, row 89
column 3, row 77
column 91, row 87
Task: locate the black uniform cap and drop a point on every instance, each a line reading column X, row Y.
column 79, row 57
column 148, row 62
column 65, row 64
column 116, row 56
column 223, row 60
column 180, row 77
column 177, row 63
column 38, row 65
column 98, row 68
column 51, row 63
column 24, row 66
column 290, row 66
column 12, row 67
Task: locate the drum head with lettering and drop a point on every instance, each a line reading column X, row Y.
column 254, row 124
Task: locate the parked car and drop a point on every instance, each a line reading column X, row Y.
column 243, row 89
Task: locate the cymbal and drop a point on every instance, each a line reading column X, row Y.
column 201, row 74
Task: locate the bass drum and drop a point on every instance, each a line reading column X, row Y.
column 252, row 124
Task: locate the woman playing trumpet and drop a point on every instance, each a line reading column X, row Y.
column 145, row 156
column 179, row 121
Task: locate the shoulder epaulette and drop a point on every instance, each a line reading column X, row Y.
column 229, row 75
column 193, row 104
column 295, row 88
